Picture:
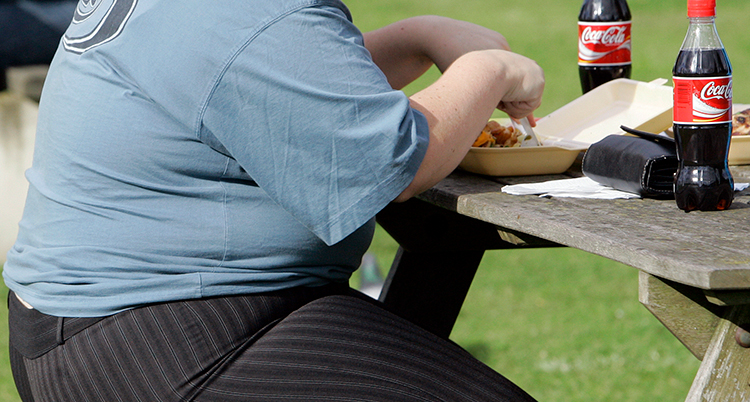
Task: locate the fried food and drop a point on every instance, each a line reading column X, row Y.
column 495, row 134
column 741, row 123
column 485, row 139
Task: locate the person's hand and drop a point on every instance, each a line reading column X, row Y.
column 525, row 95
column 480, row 73
column 461, row 101
column 405, row 49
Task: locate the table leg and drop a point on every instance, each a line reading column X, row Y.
column 709, row 331
column 429, row 288
column 684, row 310
column 724, row 373
column 438, row 256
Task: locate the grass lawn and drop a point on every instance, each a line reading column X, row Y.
column 563, row 324
column 566, row 325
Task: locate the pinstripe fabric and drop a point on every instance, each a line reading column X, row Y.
column 336, row 348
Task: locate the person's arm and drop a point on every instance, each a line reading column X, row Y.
column 479, row 75
column 458, row 105
column 405, row 49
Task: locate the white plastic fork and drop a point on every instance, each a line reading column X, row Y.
column 530, row 140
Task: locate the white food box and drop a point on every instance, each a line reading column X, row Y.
column 567, row 131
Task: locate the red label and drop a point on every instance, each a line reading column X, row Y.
column 703, row 100
column 603, row 43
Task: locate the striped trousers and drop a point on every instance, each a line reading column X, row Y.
column 291, row 345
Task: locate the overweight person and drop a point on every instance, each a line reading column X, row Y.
column 205, row 181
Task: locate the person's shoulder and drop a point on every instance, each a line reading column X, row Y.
column 290, row 6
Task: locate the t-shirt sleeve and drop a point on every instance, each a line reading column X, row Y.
column 305, row 111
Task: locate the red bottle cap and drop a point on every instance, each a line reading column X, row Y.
column 701, row 8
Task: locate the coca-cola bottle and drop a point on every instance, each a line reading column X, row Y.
column 702, row 114
column 603, row 42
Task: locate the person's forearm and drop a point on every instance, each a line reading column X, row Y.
column 398, row 53
column 459, row 104
column 406, row 49
column 479, row 75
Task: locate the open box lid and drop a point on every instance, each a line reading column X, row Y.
column 571, row 129
column 645, row 106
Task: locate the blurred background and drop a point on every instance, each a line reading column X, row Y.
column 563, row 324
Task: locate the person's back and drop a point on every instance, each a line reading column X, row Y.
column 144, row 147
column 206, row 178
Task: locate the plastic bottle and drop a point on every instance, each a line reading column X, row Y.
column 603, row 42
column 702, row 113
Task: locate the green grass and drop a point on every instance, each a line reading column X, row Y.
column 566, row 325
column 8, row 391
column 563, row 324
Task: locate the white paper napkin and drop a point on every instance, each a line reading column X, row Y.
column 581, row 187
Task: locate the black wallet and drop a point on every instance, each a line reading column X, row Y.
column 644, row 164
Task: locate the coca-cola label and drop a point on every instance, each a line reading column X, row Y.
column 702, row 100
column 604, row 43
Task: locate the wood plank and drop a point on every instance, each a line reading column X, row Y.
column 708, row 250
column 728, row 297
column 741, row 174
column 683, row 310
column 725, row 370
column 419, row 226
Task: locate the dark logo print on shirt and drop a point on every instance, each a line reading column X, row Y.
column 96, row 22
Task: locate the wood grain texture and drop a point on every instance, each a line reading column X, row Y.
column 725, row 370
column 708, row 250
column 683, row 310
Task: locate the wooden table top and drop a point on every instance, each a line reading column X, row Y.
column 708, row 250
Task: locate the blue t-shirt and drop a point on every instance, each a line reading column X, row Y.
column 195, row 149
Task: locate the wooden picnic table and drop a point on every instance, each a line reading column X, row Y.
column 694, row 268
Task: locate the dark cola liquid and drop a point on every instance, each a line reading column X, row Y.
column 592, row 77
column 703, row 181
column 603, row 11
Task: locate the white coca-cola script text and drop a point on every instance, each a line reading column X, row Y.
column 612, row 36
column 713, row 91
